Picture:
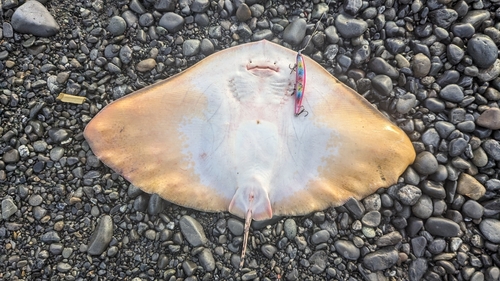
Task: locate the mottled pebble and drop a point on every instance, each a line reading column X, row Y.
column 371, row 219
column 116, row 25
column 442, row 227
column 207, row 260
column 35, row 200
column 33, row 18
column 191, row 47
column 347, row 249
column 100, row 238
column 381, row 259
column 409, row 194
column 470, row 187
column 423, row 208
column 389, row 239
column 192, row 231
column 8, row 208
column 290, row 228
column 421, row 65
column 490, row 228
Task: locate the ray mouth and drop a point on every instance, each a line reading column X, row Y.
column 262, row 67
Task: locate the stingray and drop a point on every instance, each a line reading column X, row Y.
column 223, row 136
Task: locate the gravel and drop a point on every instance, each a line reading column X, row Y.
column 432, row 67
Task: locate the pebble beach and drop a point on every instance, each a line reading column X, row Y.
column 430, row 66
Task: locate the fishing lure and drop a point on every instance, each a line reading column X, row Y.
column 300, row 83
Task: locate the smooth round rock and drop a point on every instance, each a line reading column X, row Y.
column 382, row 84
column 470, row 187
column 192, row 230
column 442, row 227
column 8, row 208
column 483, row 50
column 425, row 163
column 350, row 27
column 490, row 119
column 423, row 208
column 117, row 26
column 243, row 12
column 452, row 93
column 295, row 32
column 320, row 237
column 207, row 260
column 191, row 47
column 100, row 238
column 421, row 65
column 490, row 228
column 172, row 22
column 347, row 249
column 146, row 65
column 472, row 209
column 33, row 18
column 290, row 228
column 381, row 259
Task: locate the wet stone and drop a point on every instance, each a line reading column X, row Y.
column 433, row 189
column 380, row 66
column 421, row 65
column 290, row 228
column 490, row 73
column 235, row 226
column 490, row 119
column 483, row 50
column 172, row 22
column 442, row 227
column 455, row 54
column 192, row 231
column 33, row 18
column 490, row 228
column 452, row 93
column 355, row 208
column 371, row 219
column 295, row 32
column 146, row 19
column 347, row 249
column 409, row 194
column 423, row 208
column 431, row 137
column 320, row 237
column 207, row 260
column 268, row 250
column 350, row 27
column 443, row 17
column 381, row 259
column 425, row 163
column 470, row 187
column 382, row 84
column 116, row 26
column 8, row 208
column 418, row 245
column 472, row 209
column 101, row 236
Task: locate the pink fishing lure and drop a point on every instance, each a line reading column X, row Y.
column 300, row 83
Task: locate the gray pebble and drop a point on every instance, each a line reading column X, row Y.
column 235, row 226
column 320, row 237
column 421, row 65
column 101, row 236
column 347, row 249
column 206, row 47
column 452, row 93
column 165, row 5
column 8, row 208
column 425, row 163
column 33, row 18
column 146, row 19
column 191, row 47
column 59, row 135
column 207, row 260
column 355, row 208
column 472, row 209
column 371, row 219
column 417, row 269
column 431, row 138
column 457, row 146
column 442, row 227
column 56, row 153
column 318, row 262
column 434, row 105
column 189, row 267
column 156, row 204
column 249, row 275
column 130, row 18
column 380, row 66
column 63, row 267
column 35, row 200
column 8, row 30
column 192, row 231
column 455, row 54
column 10, row 156
column 434, row 189
column 50, row 237
column 463, row 30
column 483, row 50
column 389, row 239
column 268, row 250
column 489, row 73
column 266, row 34
column 490, row 119
column 200, row 6
column 423, row 208
column 39, row 212
column 243, row 13
column 382, row 84
column 418, row 245
column 490, row 228
column 443, row 17
column 172, row 22
column 350, row 27
column 116, row 26
column 405, row 103
column 294, row 33
column 381, row 259
column 290, row 228
column 409, row 194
